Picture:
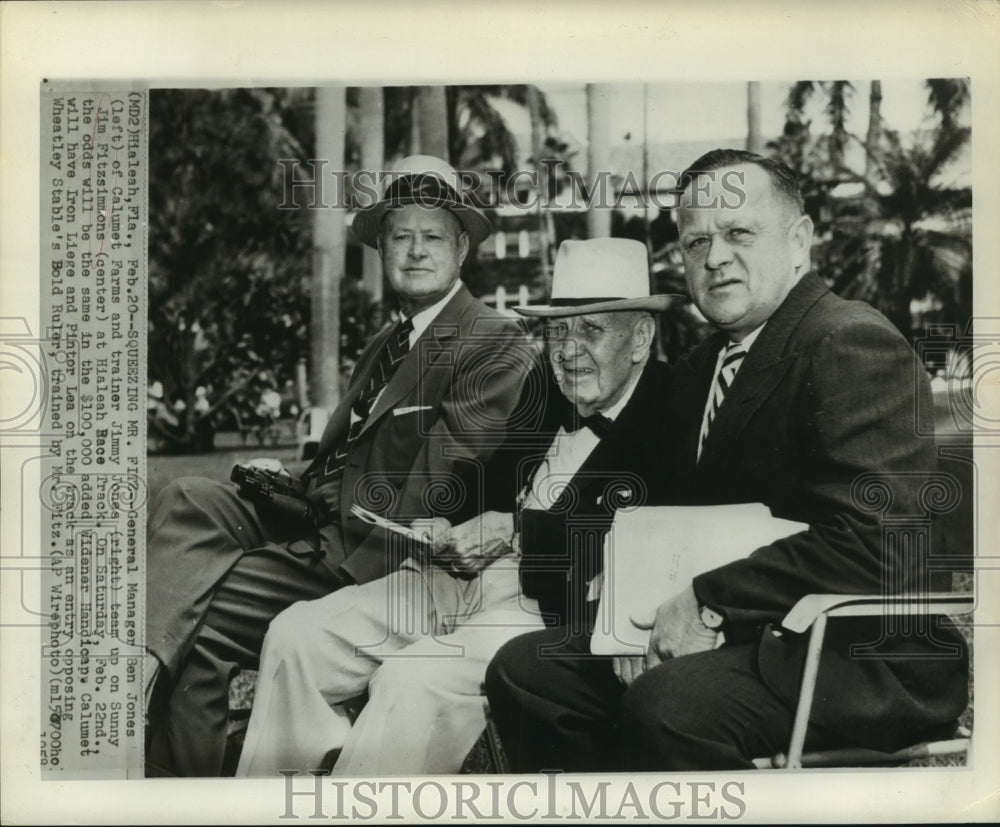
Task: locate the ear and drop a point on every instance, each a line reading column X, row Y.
column 463, row 247
column 800, row 237
column 645, row 330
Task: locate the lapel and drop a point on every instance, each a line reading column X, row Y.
column 762, row 370
column 528, row 459
column 693, row 379
column 446, row 325
column 340, row 420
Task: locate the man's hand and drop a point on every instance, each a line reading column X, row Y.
column 270, row 464
column 436, row 532
column 676, row 630
column 628, row 667
column 473, row 545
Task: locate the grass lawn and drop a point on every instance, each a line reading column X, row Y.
column 161, row 468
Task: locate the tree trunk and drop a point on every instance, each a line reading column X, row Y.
column 598, row 159
column 874, row 127
column 432, row 119
column 874, row 225
column 755, row 143
column 372, row 140
column 541, row 191
column 328, row 256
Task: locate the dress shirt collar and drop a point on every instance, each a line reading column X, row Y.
column 612, row 412
column 422, row 318
column 751, row 337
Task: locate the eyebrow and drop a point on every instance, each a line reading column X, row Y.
column 724, row 224
column 444, row 233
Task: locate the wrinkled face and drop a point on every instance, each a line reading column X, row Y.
column 741, row 259
column 422, row 253
column 595, row 356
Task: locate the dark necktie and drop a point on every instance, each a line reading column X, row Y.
column 735, row 353
column 598, row 423
column 395, row 350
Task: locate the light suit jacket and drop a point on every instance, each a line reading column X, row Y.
column 422, row 449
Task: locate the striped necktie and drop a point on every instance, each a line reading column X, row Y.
column 731, row 361
column 395, row 350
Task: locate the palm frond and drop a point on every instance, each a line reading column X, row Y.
column 947, row 97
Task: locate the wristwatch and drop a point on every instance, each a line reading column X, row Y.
column 710, row 618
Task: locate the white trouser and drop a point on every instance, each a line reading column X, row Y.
column 419, row 640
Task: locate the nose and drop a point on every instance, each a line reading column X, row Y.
column 565, row 349
column 719, row 253
column 417, row 249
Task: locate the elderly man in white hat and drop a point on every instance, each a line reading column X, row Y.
column 420, row 639
column 425, row 408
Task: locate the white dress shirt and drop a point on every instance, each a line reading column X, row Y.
column 421, row 321
column 565, row 457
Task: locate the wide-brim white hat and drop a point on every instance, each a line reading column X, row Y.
column 430, row 182
column 600, row 275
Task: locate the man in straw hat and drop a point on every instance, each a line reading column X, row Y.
column 419, row 640
column 426, row 405
column 806, row 403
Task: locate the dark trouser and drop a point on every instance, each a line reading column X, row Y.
column 217, row 574
column 562, row 708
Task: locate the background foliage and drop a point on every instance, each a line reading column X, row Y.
column 230, row 271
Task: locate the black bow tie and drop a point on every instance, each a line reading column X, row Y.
column 598, row 423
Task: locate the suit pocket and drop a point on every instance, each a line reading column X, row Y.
column 411, row 410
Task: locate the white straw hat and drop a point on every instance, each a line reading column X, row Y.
column 598, row 276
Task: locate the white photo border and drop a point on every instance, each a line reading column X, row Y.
column 197, row 44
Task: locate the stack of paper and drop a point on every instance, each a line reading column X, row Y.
column 653, row 553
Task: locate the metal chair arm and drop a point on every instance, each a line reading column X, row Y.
column 805, row 612
column 813, row 611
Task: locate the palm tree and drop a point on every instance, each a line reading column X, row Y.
column 914, row 250
column 874, row 124
column 329, row 246
column 906, row 239
column 226, row 263
column 837, row 110
column 371, row 129
column 598, row 128
column 822, row 156
column 432, row 121
column 902, row 238
column 755, row 143
column 479, row 133
column 947, row 97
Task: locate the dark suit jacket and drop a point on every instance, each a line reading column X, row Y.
column 562, row 547
column 819, row 425
column 422, row 449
